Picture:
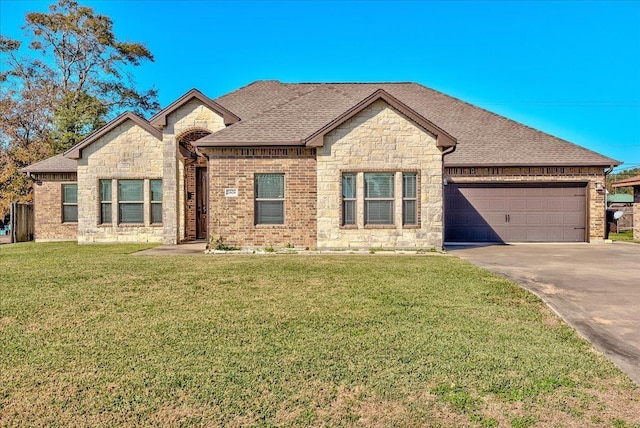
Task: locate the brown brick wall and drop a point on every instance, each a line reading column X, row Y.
column 636, row 213
column 48, row 224
column 589, row 175
column 232, row 218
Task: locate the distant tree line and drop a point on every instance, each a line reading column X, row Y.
column 72, row 77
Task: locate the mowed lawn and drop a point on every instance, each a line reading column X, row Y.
column 94, row 336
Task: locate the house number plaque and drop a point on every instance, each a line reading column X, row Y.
column 231, row 192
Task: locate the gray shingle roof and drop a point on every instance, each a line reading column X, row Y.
column 57, row 163
column 273, row 112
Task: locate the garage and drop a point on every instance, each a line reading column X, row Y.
column 553, row 212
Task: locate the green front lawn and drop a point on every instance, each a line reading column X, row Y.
column 626, row 236
column 91, row 335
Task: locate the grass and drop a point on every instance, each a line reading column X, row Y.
column 93, row 336
column 626, row 236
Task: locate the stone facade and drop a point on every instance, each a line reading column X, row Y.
column 191, row 116
column 126, row 152
column 379, row 139
column 47, row 195
column 588, row 175
column 233, row 218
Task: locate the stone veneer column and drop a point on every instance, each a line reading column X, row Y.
column 170, row 190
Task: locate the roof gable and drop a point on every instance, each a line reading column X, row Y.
column 305, row 118
column 160, row 119
column 443, row 139
column 75, row 152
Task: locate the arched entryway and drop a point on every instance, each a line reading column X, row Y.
column 195, row 186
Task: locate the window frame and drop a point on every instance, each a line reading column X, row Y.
column 406, row 198
column 64, row 203
column 368, row 199
column 349, row 200
column 104, row 202
column 258, row 200
column 132, row 202
column 154, row 203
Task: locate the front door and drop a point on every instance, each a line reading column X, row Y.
column 201, row 203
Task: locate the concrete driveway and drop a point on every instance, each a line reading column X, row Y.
column 595, row 288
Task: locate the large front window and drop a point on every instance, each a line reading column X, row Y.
column 131, row 201
column 269, row 198
column 378, row 198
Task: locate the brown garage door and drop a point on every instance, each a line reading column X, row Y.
column 518, row 213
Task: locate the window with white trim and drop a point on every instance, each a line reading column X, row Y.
column 269, row 198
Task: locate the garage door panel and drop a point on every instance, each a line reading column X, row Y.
column 554, row 204
column 516, row 203
column 536, row 204
column 573, row 204
column 511, row 213
column 574, row 191
column 573, row 219
column 555, row 219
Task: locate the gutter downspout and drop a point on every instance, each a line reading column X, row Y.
column 606, row 226
column 445, row 152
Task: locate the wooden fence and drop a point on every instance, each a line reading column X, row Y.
column 21, row 222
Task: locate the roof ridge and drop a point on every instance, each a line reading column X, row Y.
column 352, row 83
column 243, row 87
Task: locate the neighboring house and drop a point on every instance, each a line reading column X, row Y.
column 321, row 165
column 619, row 200
column 633, row 182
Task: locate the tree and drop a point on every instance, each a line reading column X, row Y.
column 72, row 77
column 621, row 175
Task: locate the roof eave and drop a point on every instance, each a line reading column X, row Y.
column 236, row 144
column 628, row 182
column 527, row 164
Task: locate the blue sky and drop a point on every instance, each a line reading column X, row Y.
column 569, row 68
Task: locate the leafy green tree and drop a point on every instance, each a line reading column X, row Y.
column 72, row 77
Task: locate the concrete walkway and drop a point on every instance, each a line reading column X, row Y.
column 595, row 288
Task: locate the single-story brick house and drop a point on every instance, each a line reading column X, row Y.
column 321, row 165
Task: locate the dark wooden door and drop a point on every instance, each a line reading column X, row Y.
column 515, row 213
column 201, row 203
